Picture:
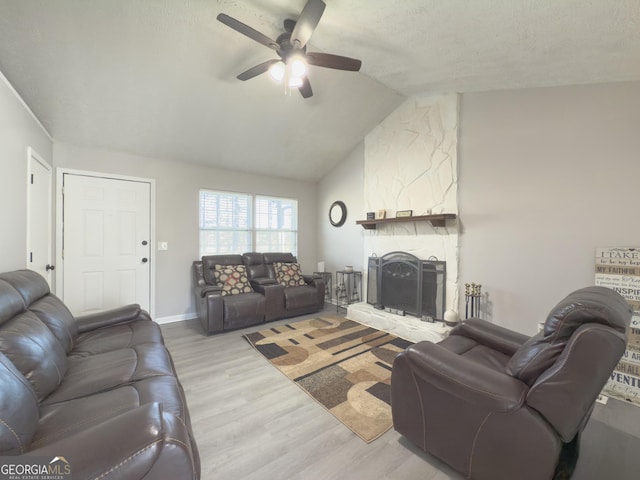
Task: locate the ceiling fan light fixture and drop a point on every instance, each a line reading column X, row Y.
column 298, row 66
column 276, row 71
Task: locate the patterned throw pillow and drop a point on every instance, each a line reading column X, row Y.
column 233, row 279
column 288, row 274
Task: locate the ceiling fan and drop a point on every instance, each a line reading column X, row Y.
column 291, row 47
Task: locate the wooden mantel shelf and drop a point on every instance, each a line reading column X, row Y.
column 437, row 220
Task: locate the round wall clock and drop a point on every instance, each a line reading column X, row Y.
column 337, row 213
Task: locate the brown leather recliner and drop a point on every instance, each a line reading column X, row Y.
column 218, row 312
column 494, row 404
column 292, row 301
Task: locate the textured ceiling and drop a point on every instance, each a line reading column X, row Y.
column 157, row 77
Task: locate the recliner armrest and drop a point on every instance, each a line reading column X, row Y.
column 208, row 289
column 464, row 378
column 311, row 279
column 127, row 445
column 491, row 335
column 114, row 316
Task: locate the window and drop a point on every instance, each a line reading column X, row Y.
column 276, row 224
column 225, row 222
column 232, row 223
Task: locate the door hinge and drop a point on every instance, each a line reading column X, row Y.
column 32, row 179
column 31, row 257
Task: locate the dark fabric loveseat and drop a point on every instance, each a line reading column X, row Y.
column 236, row 291
column 99, row 391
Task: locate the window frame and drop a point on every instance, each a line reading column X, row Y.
column 253, row 222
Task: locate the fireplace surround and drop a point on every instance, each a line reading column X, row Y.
column 402, row 283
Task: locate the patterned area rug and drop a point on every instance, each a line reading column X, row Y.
column 344, row 365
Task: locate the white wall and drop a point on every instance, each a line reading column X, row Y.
column 546, row 176
column 19, row 130
column 177, row 187
column 341, row 246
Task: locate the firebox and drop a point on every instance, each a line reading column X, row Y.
column 403, row 283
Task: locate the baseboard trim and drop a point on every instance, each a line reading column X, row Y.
column 176, row 318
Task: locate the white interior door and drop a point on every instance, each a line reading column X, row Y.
column 106, row 243
column 39, row 232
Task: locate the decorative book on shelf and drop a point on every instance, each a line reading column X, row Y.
column 437, row 220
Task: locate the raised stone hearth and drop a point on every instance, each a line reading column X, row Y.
column 409, row 328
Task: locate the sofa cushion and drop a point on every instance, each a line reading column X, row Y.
column 62, row 419
column 243, row 310
column 29, row 284
column 34, row 351
column 233, row 279
column 116, row 337
column 57, row 317
column 300, row 297
column 18, row 410
column 109, row 370
column 288, row 274
column 11, row 302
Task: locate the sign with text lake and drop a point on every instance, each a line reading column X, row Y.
column 619, row 269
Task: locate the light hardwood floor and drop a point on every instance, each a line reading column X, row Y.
column 252, row 423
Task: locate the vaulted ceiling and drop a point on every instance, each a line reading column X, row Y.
column 157, row 77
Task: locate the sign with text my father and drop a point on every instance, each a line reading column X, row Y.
column 619, row 269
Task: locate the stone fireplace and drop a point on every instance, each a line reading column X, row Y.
column 410, row 163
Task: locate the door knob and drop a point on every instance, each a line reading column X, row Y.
column 145, row 260
column 144, row 242
column 50, row 267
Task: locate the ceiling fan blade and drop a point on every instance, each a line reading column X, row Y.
column 333, row 61
column 257, row 70
column 305, row 88
column 247, row 31
column 307, row 23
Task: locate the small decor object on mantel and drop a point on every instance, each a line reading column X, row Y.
column 381, row 214
column 371, row 215
column 404, row 213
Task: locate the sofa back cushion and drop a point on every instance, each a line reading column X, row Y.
column 11, row 302
column 55, row 315
column 598, row 305
column 30, row 285
column 209, row 263
column 34, row 291
column 18, row 410
column 256, row 267
column 34, row 351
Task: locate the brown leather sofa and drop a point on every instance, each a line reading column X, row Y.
column 99, row 390
column 494, row 404
column 266, row 300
